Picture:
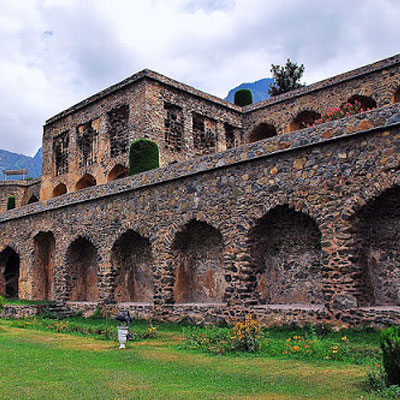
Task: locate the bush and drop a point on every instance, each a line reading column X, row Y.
column 11, row 203
column 390, row 345
column 143, row 156
column 2, row 302
column 243, row 97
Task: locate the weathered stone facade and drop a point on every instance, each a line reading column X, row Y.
column 298, row 227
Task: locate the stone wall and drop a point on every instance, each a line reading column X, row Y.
column 317, row 183
column 25, row 192
column 375, row 84
column 89, row 143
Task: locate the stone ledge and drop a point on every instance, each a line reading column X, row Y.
column 383, row 118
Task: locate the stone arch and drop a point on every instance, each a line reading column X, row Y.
column 376, row 230
column 86, row 181
column 32, row 199
column 43, row 271
column 396, row 96
column 285, row 254
column 82, row 264
column 132, row 261
column 366, row 101
column 303, row 119
column 262, row 131
column 9, row 272
column 199, row 265
column 119, row 171
column 59, row 190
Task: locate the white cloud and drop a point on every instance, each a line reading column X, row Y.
column 57, row 52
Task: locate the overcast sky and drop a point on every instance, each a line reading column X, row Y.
column 55, row 53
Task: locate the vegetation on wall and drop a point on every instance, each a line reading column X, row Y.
column 286, row 78
column 243, row 97
column 11, row 203
column 143, row 156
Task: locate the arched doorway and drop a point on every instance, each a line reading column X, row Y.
column 87, row 180
column 262, row 131
column 9, row 273
column 199, row 264
column 44, row 245
column 365, row 101
column 119, row 171
column 303, row 120
column 59, row 190
column 82, row 262
column 133, row 267
column 285, row 253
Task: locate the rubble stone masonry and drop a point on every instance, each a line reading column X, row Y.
column 300, row 227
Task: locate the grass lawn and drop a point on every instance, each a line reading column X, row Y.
column 47, row 365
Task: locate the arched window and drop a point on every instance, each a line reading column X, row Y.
column 59, row 190
column 119, row 171
column 262, row 131
column 87, row 180
column 365, row 101
column 303, row 120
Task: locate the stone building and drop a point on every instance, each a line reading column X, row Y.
column 253, row 210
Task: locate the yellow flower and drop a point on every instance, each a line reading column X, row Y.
column 344, row 338
column 327, row 357
column 334, row 351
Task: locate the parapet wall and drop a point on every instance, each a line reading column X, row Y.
column 320, row 185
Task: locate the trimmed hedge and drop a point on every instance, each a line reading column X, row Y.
column 11, row 203
column 143, row 156
column 243, row 97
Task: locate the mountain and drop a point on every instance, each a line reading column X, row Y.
column 9, row 160
column 258, row 88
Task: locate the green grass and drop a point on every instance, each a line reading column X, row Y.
column 48, row 365
column 20, row 302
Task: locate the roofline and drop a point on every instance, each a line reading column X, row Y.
column 332, row 81
column 144, row 74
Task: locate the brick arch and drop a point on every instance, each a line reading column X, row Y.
column 132, row 260
column 9, row 272
column 198, row 251
column 81, row 262
column 285, row 258
column 302, row 119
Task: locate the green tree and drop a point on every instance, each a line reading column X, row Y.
column 286, row 78
column 11, row 203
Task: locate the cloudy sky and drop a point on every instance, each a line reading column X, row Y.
column 55, row 53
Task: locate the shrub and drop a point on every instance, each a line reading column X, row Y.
column 143, row 156
column 340, row 112
column 244, row 336
column 243, row 97
column 2, row 302
column 390, row 345
column 11, row 203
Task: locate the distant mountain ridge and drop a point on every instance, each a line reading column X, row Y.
column 259, row 89
column 9, row 160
